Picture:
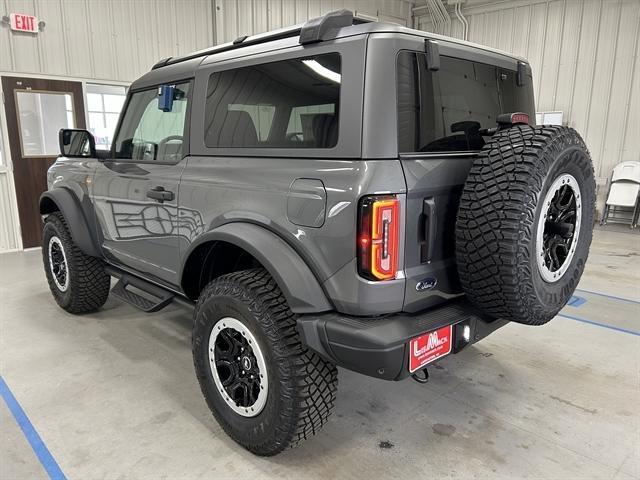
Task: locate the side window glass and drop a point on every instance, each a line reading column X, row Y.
column 285, row 104
column 300, row 126
column 261, row 117
column 152, row 128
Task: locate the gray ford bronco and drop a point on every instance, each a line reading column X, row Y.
column 340, row 193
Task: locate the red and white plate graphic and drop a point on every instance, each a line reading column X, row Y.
column 430, row 346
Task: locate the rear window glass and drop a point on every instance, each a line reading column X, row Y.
column 286, row 104
column 447, row 110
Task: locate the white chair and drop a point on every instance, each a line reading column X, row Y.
column 623, row 195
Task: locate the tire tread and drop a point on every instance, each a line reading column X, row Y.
column 497, row 219
column 89, row 283
column 308, row 382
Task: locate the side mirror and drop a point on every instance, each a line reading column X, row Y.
column 76, row 143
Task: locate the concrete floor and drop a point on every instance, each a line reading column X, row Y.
column 113, row 395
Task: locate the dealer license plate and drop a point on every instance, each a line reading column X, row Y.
column 429, row 347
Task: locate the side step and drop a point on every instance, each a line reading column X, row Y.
column 148, row 297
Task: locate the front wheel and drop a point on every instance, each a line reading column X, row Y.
column 77, row 281
column 263, row 386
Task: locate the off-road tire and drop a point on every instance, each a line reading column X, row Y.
column 89, row 284
column 497, row 222
column 302, row 385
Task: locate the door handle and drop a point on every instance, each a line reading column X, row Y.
column 160, row 194
column 429, row 219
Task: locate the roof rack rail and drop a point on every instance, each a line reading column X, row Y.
column 322, row 28
column 161, row 63
column 238, row 43
column 314, row 30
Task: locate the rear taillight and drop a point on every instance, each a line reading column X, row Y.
column 378, row 237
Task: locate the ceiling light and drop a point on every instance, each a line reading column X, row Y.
column 323, row 71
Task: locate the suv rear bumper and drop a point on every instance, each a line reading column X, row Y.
column 379, row 346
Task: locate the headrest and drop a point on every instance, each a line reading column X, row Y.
column 325, row 130
column 238, row 130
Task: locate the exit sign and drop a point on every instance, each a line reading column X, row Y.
column 24, row 23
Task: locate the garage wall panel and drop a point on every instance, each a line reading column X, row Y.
column 568, row 59
column 548, row 74
column 631, row 143
column 520, row 31
column 103, row 63
column 78, row 41
column 584, row 55
column 52, row 48
column 604, row 71
column 9, row 236
column 619, row 106
column 25, row 53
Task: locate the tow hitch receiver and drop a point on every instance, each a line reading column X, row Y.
column 421, row 379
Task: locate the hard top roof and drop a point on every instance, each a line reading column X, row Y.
column 334, row 25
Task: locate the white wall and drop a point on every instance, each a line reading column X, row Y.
column 119, row 40
column 584, row 55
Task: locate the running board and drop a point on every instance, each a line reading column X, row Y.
column 141, row 294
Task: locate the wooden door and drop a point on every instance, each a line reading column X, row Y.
column 36, row 109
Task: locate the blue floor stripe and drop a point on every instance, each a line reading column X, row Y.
column 576, row 301
column 40, row 449
column 606, row 295
column 603, row 325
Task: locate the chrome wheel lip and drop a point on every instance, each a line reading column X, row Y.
column 55, row 243
column 259, row 404
column 547, row 274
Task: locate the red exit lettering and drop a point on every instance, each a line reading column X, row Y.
column 24, row 23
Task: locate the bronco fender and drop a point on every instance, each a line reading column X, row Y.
column 298, row 283
column 63, row 200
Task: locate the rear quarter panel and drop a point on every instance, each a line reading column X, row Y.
column 219, row 190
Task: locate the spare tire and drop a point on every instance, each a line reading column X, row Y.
column 525, row 222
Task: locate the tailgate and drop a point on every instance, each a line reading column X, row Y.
column 434, row 185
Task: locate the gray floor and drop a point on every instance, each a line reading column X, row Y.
column 113, row 395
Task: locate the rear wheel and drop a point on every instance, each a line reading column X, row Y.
column 77, row 281
column 525, row 223
column 264, row 387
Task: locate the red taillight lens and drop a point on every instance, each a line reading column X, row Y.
column 378, row 237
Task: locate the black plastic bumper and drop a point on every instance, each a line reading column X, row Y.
column 378, row 346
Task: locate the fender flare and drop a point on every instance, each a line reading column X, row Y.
column 63, row 200
column 296, row 280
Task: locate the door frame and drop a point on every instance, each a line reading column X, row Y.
column 30, row 171
column 11, row 210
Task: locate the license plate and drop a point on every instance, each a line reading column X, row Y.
column 429, row 347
